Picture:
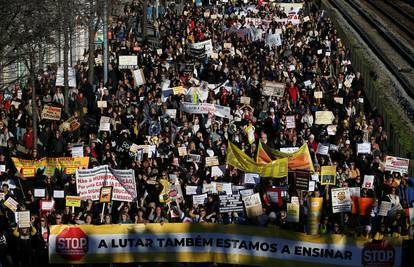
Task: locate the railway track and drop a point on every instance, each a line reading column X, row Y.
column 403, row 21
column 396, row 54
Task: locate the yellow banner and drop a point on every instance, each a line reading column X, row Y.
column 299, row 160
column 228, row 244
column 28, row 168
column 238, row 159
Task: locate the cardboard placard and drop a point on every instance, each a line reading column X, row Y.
column 293, row 212
column 212, row 161
column 182, row 151
column 51, row 113
column 253, row 205
column 23, row 218
column 102, row 104
column 11, row 203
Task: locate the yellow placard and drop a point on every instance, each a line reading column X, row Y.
column 73, row 201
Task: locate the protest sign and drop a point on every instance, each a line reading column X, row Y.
column 71, row 77
column 199, row 199
column 183, row 242
column 230, row 203
column 206, row 108
column 210, row 188
column 191, row 190
column 253, row 205
column 90, row 181
column 324, row 117
column 341, row 200
column 11, row 203
column 73, row 201
column 182, row 151
column 246, row 192
column 2, row 168
column 273, row 89
column 51, row 113
column 104, row 124
column 275, row 195
column 70, row 125
column 384, row 208
column 23, row 218
column 328, row 175
column 105, row 195
column 217, row 171
column 206, row 46
column 396, row 164
column 312, row 186
column 301, row 180
column 212, row 161
column 290, row 122
column 47, row 205
column 323, row 149
column 292, row 212
column 245, row 100
column 77, row 151
column 314, row 215
column 364, row 148
column 339, row 100
column 127, row 62
column 224, row 188
column 251, row 178
column 39, row 192
column 318, row 94
column 139, row 77
column 102, row 104
column 58, row 194
column 331, row 129
column 368, row 182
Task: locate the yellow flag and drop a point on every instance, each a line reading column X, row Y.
column 238, row 159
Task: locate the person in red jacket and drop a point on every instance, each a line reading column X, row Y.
column 28, row 138
column 293, row 93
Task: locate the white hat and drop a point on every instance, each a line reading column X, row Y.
column 347, row 142
column 272, row 110
column 272, row 215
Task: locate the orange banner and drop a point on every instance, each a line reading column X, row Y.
column 364, row 205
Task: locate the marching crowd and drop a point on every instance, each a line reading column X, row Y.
column 253, row 42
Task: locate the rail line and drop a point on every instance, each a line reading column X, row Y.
column 404, row 53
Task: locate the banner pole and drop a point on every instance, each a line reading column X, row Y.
column 103, row 211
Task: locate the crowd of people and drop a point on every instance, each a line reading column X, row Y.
column 253, row 42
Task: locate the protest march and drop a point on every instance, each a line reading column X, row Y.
column 243, row 137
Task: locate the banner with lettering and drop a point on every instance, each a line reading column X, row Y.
column 90, row 181
column 228, row 244
column 28, row 168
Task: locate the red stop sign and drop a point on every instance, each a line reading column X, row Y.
column 72, row 244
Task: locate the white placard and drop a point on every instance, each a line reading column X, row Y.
column 23, row 219
column 39, row 192
column 104, row 124
column 58, row 194
column 77, row 151
column 341, row 200
column 199, row 199
column 289, row 150
column 209, row 188
column 384, row 208
column 368, row 182
column 216, row 171
column 290, row 122
column 364, row 148
column 191, row 190
column 323, row 149
column 139, row 77
column 331, row 129
column 2, row 168
column 312, row 185
column 127, row 62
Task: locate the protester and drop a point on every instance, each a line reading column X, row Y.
column 267, row 75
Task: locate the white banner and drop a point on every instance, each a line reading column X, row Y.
column 341, row 200
column 90, row 181
column 395, row 164
column 205, row 108
column 127, row 62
